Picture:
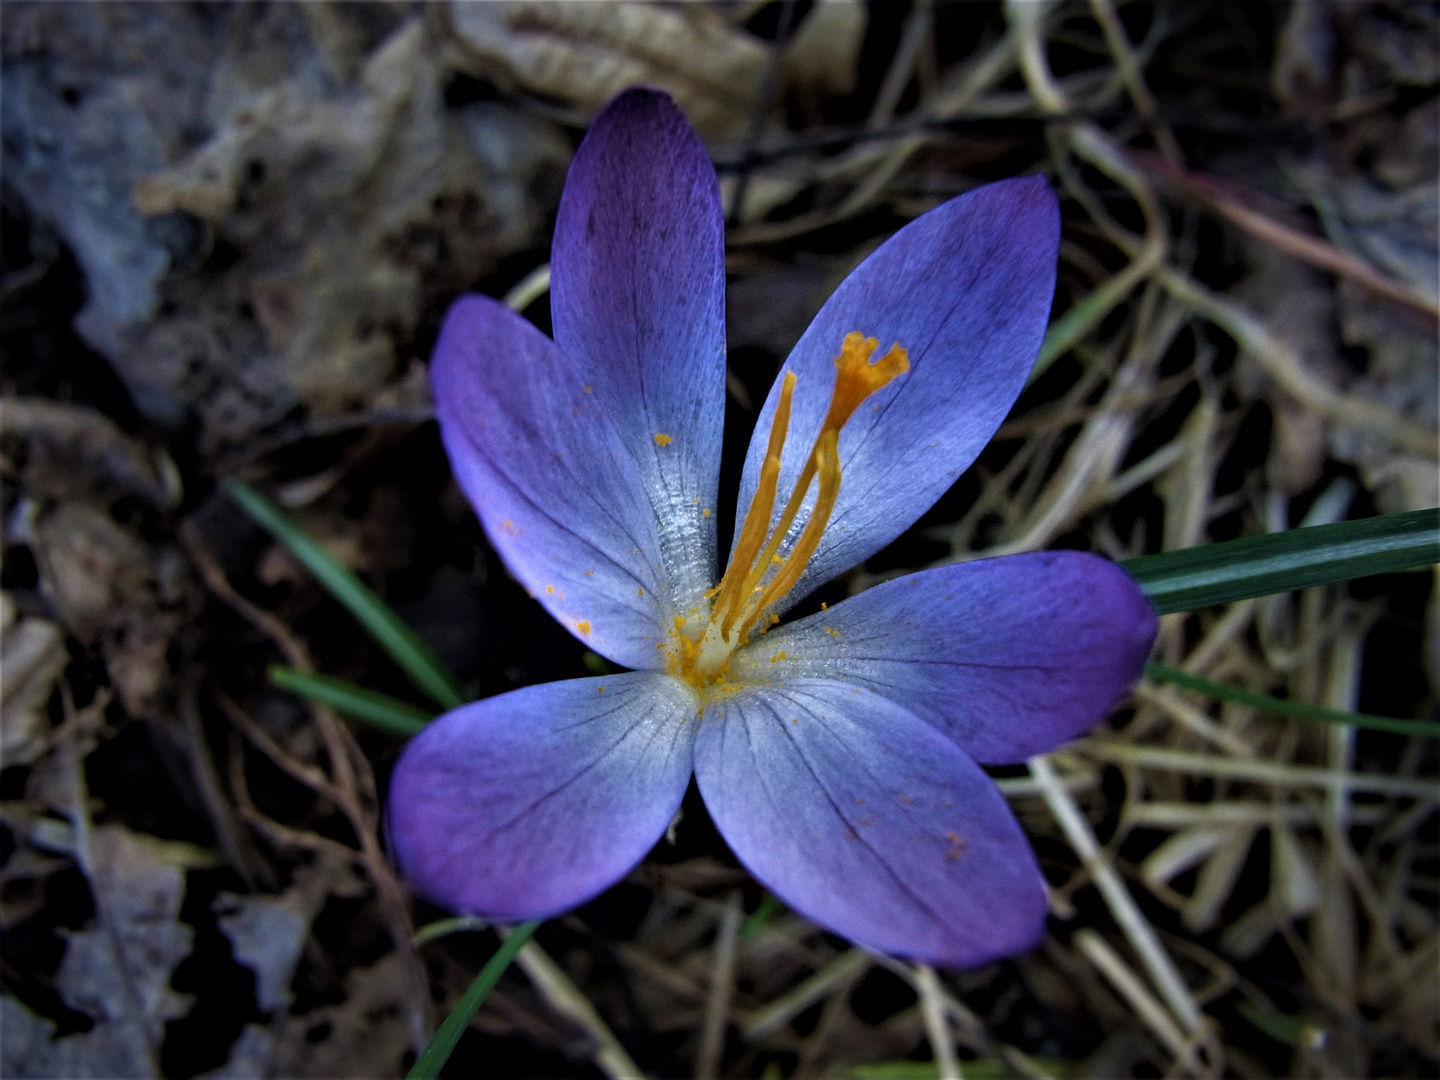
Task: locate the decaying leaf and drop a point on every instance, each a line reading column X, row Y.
column 365, row 1035
column 32, row 656
column 586, row 53
column 118, row 973
column 76, row 452
column 821, row 58
column 111, row 589
column 265, row 202
column 267, row 933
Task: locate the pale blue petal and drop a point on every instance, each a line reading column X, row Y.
column 869, row 822
column 528, row 804
column 1008, row 657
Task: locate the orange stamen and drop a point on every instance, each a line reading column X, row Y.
column 740, row 592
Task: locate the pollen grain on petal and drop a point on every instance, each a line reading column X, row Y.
column 661, row 439
column 584, row 627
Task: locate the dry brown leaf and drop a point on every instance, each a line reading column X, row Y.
column 585, row 54
column 267, row 933
column 821, row 58
column 118, row 973
column 365, row 1035
column 111, row 589
column 302, row 197
column 32, row 656
column 74, row 451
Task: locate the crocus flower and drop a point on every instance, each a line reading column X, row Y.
column 837, row 753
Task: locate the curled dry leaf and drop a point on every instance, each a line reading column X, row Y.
column 585, row 54
column 365, row 1035
column 267, row 933
column 113, row 590
column 32, row 656
column 821, row 58
column 75, row 451
column 265, row 204
column 118, row 973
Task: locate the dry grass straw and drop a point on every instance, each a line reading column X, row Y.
column 1208, row 783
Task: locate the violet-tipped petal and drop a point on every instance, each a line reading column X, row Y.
column 869, row 822
column 527, row 804
column 965, row 289
column 638, row 300
column 537, row 457
column 1009, row 657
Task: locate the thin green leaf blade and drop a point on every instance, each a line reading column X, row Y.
column 1223, row 692
column 394, row 636
column 770, row 906
column 438, row 1050
column 378, row 710
column 1279, row 562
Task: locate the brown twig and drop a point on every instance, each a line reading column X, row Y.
column 352, row 788
column 1236, row 205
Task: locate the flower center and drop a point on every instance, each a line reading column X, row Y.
column 759, row 575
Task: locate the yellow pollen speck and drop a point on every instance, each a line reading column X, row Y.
column 549, row 588
column 779, row 656
column 599, row 689
column 509, row 526
column 586, row 389
column 661, row 439
column 706, row 513
column 583, row 627
column 695, row 501
column 823, row 606
column 832, row 632
column 589, row 573
column 796, row 720
column 639, row 592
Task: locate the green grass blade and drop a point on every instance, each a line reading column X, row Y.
column 1296, row 559
column 1166, row 674
column 437, row 1051
column 378, row 710
column 770, row 906
column 1291, row 1030
column 401, row 642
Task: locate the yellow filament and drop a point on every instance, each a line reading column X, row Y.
column 752, row 534
column 740, row 591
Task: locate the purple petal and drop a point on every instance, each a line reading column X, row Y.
column 538, row 459
column 528, row 804
column 1008, row 657
column 966, row 290
column 638, row 299
column 869, row 822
